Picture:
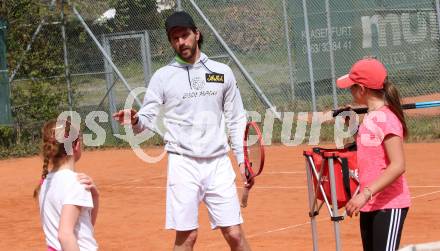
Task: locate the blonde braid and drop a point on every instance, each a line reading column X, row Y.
column 43, row 176
column 51, row 150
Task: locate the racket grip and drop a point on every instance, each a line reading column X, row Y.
column 244, row 197
column 358, row 110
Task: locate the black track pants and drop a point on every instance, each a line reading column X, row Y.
column 381, row 230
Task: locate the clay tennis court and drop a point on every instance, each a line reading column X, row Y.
column 132, row 210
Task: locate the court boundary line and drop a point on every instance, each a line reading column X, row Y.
column 239, row 187
column 272, row 231
column 284, row 172
column 425, row 194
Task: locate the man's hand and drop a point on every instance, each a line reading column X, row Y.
column 126, row 117
column 88, row 183
column 247, row 184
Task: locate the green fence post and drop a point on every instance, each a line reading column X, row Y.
column 5, row 93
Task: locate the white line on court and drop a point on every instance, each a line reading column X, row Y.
column 268, row 187
column 277, row 187
column 238, row 187
column 149, row 187
column 273, row 172
column 424, row 187
column 272, row 231
column 124, row 182
column 425, row 194
column 128, row 182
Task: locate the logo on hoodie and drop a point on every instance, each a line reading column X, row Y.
column 215, row 77
column 197, row 83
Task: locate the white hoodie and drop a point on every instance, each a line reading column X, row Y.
column 198, row 101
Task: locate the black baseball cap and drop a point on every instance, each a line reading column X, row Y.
column 179, row 19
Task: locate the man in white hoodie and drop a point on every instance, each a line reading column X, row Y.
column 201, row 100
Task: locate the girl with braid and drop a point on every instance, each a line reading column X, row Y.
column 68, row 200
column 384, row 199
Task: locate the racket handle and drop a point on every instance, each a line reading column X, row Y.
column 359, row 110
column 244, row 197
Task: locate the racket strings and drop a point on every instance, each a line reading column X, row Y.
column 254, row 150
column 255, row 157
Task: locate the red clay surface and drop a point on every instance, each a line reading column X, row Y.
column 132, row 209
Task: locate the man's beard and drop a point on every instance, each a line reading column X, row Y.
column 192, row 52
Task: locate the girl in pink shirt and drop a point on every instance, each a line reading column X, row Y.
column 384, row 198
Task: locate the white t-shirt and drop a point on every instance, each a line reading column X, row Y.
column 62, row 188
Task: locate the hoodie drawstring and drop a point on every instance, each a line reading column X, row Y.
column 189, row 79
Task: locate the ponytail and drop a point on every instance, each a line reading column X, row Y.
column 53, row 151
column 392, row 98
column 43, row 176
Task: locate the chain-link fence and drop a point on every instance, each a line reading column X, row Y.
column 279, row 50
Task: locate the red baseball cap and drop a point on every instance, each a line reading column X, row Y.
column 369, row 72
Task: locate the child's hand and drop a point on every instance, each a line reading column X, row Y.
column 88, row 183
column 355, row 204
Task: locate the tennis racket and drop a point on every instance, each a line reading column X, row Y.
column 360, row 110
column 253, row 156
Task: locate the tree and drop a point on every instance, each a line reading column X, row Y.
column 42, row 95
column 136, row 15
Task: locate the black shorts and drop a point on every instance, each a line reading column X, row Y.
column 381, row 230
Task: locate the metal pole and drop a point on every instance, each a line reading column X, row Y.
column 311, row 204
column 332, row 56
column 318, row 177
column 66, row 62
column 248, row 77
column 146, row 57
column 309, row 54
column 107, row 57
column 334, row 201
column 29, row 45
column 289, row 50
column 110, row 83
column 179, row 5
column 437, row 8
